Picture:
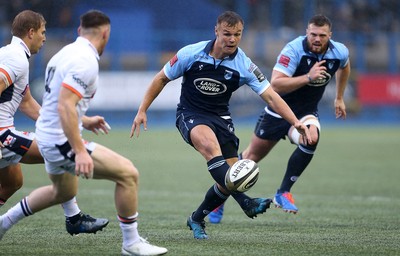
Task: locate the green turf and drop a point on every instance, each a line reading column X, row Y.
column 348, row 200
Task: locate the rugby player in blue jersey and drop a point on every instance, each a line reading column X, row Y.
column 304, row 68
column 212, row 71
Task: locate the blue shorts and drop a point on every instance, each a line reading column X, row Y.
column 270, row 127
column 223, row 128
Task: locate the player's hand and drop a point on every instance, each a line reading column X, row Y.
column 96, row 124
column 304, row 131
column 141, row 118
column 317, row 71
column 84, row 165
column 340, row 109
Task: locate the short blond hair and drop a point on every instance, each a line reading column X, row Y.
column 25, row 21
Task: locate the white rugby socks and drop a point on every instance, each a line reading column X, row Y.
column 130, row 234
column 16, row 213
column 71, row 208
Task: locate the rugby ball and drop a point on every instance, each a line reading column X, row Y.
column 241, row 176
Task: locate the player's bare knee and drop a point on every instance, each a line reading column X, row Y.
column 314, row 139
column 314, row 127
column 129, row 173
column 314, row 133
column 311, row 147
column 9, row 190
column 10, row 187
column 17, row 186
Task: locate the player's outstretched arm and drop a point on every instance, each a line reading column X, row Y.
column 156, row 86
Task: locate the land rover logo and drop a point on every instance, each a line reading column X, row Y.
column 209, row 86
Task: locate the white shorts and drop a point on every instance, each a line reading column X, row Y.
column 16, row 144
column 61, row 158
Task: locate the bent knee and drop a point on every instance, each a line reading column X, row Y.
column 10, row 188
column 129, row 172
column 12, row 184
column 314, row 140
column 311, row 147
column 18, row 185
column 314, row 133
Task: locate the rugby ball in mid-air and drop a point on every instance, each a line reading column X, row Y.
column 242, row 175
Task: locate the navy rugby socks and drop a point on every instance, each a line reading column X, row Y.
column 297, row 163
column 214, row 198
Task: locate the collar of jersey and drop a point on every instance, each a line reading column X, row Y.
column 85, row 41
column 18, row 41
column 209, row 46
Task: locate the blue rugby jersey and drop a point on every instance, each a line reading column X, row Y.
column 295, row 59
column 208, row 83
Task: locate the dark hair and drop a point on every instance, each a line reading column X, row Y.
column 93, row 19
column 231, row 18
column 320, row 20
column 26, row 20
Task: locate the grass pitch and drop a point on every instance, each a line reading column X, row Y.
column 348, row 200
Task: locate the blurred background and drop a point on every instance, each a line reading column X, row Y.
column 146, row 34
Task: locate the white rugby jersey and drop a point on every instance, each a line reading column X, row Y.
column 14, row 65
column 74, row 67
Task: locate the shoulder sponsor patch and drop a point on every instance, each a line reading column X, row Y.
column 257, row 72
column 260, row 76
column 284, row 60
column 173, row 60
column 80, row 82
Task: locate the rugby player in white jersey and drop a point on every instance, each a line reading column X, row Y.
column 29, row 35
column 70, row 83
